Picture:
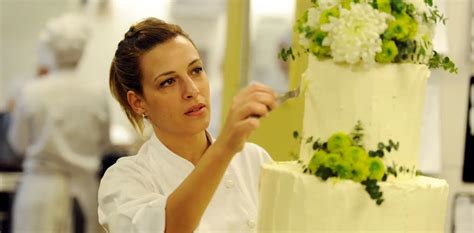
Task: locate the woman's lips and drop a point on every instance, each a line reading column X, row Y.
column 196, row 110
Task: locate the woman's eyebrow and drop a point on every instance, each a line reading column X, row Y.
column 172, row 71
column 194, row 61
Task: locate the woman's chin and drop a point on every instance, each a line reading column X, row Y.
column 198, row 126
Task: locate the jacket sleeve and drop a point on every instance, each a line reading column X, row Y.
column 127, row 202
column 18, row 131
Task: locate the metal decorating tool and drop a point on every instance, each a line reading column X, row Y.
column 289, row 94
column 283, row 97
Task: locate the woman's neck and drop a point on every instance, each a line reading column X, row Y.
column 189, row 147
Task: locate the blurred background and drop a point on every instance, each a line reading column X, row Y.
column 240, row 40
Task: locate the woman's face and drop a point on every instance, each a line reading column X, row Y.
column 175, row 88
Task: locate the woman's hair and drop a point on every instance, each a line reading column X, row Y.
column 125, row 74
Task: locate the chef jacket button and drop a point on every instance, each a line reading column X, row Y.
column 229, row 184
column 251, row 224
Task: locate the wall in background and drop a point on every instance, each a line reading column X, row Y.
column 453, row 97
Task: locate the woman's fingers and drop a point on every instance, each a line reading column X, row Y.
column 255, row 94
column 245, row 127
column 258, row 88
column 261, row 87
column 252, row 109
column 268, row 99
column 253, row 102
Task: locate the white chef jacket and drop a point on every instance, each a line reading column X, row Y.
column 61, row 118
column 133, row 192
column 61, row 125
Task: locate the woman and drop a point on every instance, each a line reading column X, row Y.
column 181, row 180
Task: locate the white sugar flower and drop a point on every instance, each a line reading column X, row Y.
column 355, row 36
column 420, row 6
column 314, row 14
column 425, row 31
column 365, row 1
column 305, row 42
column 327, row 4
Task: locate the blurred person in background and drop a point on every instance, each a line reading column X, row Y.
column 61, row 125
column 181, row 179
column 9, row 160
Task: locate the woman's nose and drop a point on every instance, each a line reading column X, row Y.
column 190, row 89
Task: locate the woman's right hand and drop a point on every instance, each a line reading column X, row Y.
column 247, row 108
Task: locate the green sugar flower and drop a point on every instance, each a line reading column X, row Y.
column 355, row 154
column 339, row 142
column 334, row 12
column 331, row 160
column 376, row 168
column 384, row 6
column 404, row 27
column 389, row 52
column 346, row 4
column 398, row 6
column 316, row 47
column 317, row 160
column 319, row 37
column 360, row 171
column 343, row 169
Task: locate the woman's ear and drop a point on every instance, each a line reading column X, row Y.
column 136, row 102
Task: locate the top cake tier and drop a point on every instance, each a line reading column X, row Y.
column 387, row 99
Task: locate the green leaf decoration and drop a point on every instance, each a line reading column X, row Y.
column 444, row 62
column 357, row 134
column 317, row 145
column 373, row 189
column 286, row 53
column 325, row 172
column 372, row 154
column 381, row 146
column 296, row 134
column 380, row 153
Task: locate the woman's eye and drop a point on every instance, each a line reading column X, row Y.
column 167, row 82
column 197, row 70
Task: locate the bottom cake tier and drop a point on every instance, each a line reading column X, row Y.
column 291, row 201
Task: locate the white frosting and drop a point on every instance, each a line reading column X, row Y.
column 291, row 201
column 387, row 99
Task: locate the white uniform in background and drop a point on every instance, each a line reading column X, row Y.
column 61, row 125
column 133, row 192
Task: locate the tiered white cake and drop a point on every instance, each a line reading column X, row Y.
column 388, row 100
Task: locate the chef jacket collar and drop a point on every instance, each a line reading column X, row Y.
column 172, row 157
